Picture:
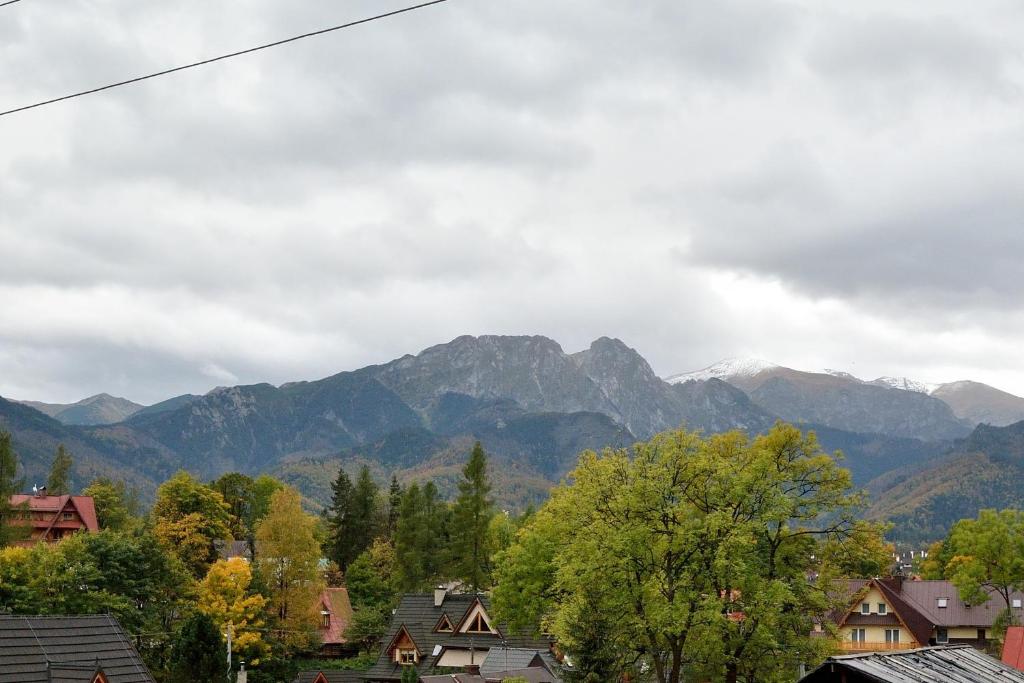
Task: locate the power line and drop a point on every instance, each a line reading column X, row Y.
column 9, row 2
column 227, row 56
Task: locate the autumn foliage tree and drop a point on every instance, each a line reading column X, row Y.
column 225, row 596
column 699, row 546
column 187, row 518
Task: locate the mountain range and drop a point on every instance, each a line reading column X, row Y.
column 532, row 405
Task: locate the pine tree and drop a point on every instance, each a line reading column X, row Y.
column 365, row 521
column 410, row 570
column 9, row 485
column 198, row 654
column 394, row 505
column 59, row 481
column 339, row 520
column 471, row 518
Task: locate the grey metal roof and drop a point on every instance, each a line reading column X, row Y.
column 67, row 649
column 532, row 675
column 508, row 658
column 937, row 664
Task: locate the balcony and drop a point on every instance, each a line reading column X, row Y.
column 870, row 646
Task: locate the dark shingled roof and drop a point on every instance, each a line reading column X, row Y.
column 417, row 613
column 64, row 649
column 508, row 658
column 332, row 676
column 532, row 675
column 939, row 664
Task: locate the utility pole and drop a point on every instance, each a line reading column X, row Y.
column 229, row 652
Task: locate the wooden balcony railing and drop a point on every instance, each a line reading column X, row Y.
column 870, row 646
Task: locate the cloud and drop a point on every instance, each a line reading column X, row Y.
column 818, row 183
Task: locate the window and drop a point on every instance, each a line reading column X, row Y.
column 865, row 608
column 69, row 515
column 881, row 608
column 857, row 635
column 478, row 625
column 444, row 625
column 941, row 635
column 1016, row 603
column 943, row 602
column 325, row 619
column 892, row 635
column 407, row 656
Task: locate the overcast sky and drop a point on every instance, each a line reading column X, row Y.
column 821, row 184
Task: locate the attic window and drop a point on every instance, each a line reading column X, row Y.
column 444, row 625
column 881, row 608
column 478, row 625
column 406, row 657
column 325, row 619
column 943, row 602
column 865, row 608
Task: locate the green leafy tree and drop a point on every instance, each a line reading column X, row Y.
column 59, row 481
column 410, row 675
column 288, row 560
column 10, row 484
column 238, row 491
column 987, row 556
column 699, row 547
column 187, row 518
column 197, row 654
column 117, row 508
column 370, row 581
column 471, row 519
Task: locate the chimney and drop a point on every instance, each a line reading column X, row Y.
column 897, row 579
column 439, row 594
column 41, row 492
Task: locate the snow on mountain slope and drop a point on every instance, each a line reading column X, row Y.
column 907, row 384
column 724, row 369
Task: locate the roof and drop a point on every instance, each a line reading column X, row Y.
column 532, row 675
column 71, row 647
column 335, row 601
column 1013, row 647
column 938, row 664
column 418, row 615
column 507, row 658
column 332, row 676
column 54, row 504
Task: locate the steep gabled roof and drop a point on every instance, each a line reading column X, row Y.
column 67, row 649
column 335, row 601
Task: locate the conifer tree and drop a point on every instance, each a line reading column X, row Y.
column 9, row 485
column 339, row 520
column 471, row 517
column 59, row 481
column 410, row 570
column 365, row 521
column 394, row 506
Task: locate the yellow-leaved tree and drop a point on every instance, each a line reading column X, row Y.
column 225, row 597
column 288, row 558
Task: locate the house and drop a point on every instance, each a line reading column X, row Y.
column 895, row 614
column 329, row 676
column 335, row 617
column 54, row 517
column 443, row 631
column 946, row 663
column 68, row 649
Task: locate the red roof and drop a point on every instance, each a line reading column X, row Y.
column 335, row 601
column 83, row 505
column 1013, row 647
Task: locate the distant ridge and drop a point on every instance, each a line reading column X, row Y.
column 94, row 410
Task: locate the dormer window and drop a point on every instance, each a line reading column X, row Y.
column 943, row 602
column 478, row 625
column 406, row 657
column 476, row 621
column 865, row 608
column 444, row 625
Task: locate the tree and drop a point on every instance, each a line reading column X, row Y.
column 987, row 556
column 288, row 558
column 116, row 507
column 394, row 506
column 365, row 522
column 471, row 518
column 410, row 568
column 339, row 520
column 699, row 547
column 188, row 518
column 59, row 481
column 238, row 492
column 410, row 675
column 225, row 596
column 10, row 530
column 197, row 654
column 370, row 581
column 863, row 552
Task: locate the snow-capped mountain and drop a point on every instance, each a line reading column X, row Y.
column 725, row 369
column 907, row 384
